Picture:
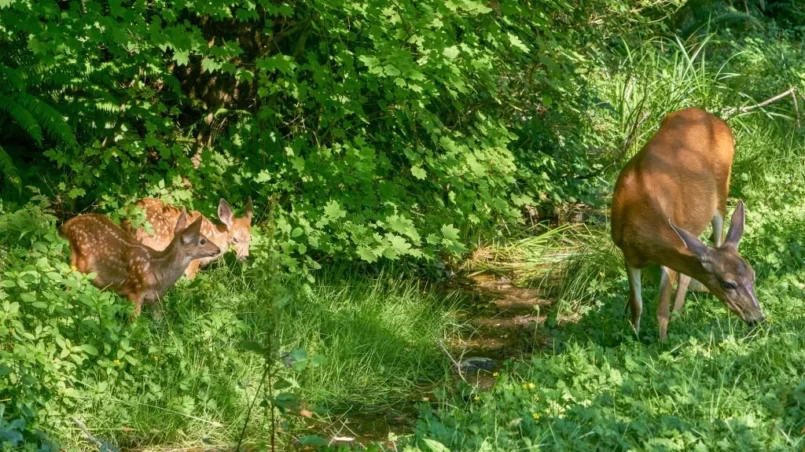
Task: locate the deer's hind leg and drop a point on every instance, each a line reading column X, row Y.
column 681, row 291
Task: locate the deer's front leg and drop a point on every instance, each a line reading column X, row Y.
column 635, row 296
column 664, row 305
column 137, row 299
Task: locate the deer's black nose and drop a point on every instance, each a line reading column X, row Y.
column 755, row 322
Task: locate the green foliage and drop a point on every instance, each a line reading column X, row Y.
column 383, row 131
column 377, row 126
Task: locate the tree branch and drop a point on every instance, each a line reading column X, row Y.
column 727, row 112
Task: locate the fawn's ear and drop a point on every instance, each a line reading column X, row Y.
column 192, row 233
column 225, row 213
column 181, row 223
column 249, row 209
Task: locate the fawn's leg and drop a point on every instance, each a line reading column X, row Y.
column 192, row 269
column 137, row 299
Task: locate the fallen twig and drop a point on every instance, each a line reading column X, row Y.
column 87, row 434
column 727, row 112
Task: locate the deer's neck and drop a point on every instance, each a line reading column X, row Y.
column 169, row 265
column 682, row 261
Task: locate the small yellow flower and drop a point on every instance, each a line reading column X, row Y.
column 73, row 268
column 156, row 358
column 535, row 415
column 117, row 362
column 531, row 386
column 495, row 374
column 477, row 397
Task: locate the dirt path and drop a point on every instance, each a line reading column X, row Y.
column 503, row 322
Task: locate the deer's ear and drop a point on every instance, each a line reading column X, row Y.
column 181, row 223
column 691, row 242
column 736, row 227
column 192, row 233
column 249, row 211
column 225, row 213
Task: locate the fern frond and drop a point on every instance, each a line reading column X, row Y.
column 22, row 117
column 12, row 77
column 49, row 118
column 8, row 170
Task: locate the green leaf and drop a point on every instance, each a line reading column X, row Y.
column 435, row 446
column 90, row 349
column 182, row 57
column 333, row 211
column 518, row 43
column 366, row 254
column 449, row 232
column 209, row 65
column 451, row 52
column 418, row 172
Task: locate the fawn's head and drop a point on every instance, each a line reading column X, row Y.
column 191, row 243
column 726, row 274
column 239, row 228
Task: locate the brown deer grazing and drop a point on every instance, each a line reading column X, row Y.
column 234, row 232
column 664, row 198
column 127, row 267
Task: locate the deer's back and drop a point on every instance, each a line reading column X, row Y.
column 681, row 174
column 162, row 217
column 101, row 247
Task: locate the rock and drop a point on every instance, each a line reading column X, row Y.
column 477, row 364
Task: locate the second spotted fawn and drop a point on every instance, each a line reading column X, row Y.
column 124, row 265
column 234, row 232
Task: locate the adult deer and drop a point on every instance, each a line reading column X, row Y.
column 664, row 198
column 127, row 267
column 234, row 231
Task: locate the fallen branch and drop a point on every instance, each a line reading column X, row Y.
column 727, row 112
column 88, row 435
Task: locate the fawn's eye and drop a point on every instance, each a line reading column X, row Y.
column 202, row 242
column 729, row 285
column 234, row 240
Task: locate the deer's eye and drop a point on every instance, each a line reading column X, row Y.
column 234, row 240
column 729, row 285
column 202, row 242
